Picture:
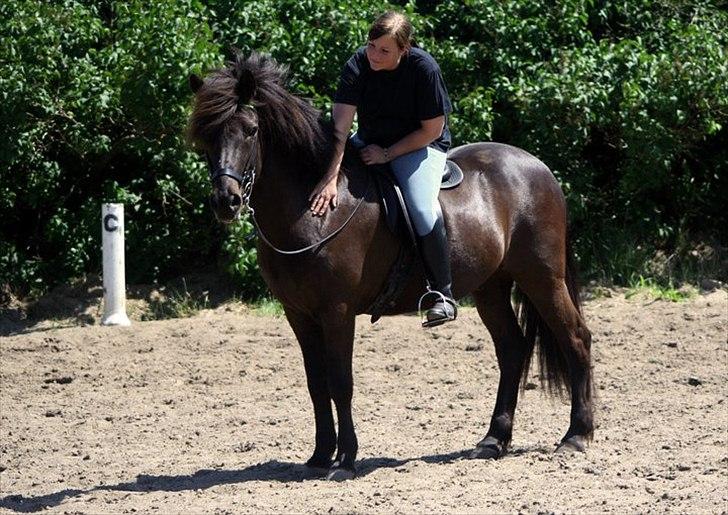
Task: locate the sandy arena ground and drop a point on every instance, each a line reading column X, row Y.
column 211, row 414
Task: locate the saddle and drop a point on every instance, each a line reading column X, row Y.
column 395, row 210
column 400, row 223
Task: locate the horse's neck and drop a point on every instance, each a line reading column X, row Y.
column 280, row 199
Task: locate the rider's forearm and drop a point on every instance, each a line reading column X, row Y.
column 420, row 138
column 343, row 118
column 336, row 159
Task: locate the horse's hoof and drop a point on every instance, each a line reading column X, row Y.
column 340, row 474
column 485, row 453
column 317, row 471
column 573, row 444
column 319, row 465
column 489, row 448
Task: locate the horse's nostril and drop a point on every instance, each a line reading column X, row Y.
column 235, row 200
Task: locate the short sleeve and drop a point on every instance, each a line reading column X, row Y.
column 432, row 97
column 350, row 83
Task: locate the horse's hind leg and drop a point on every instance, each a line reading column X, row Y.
column 550, row 295
column 311, row 339
column 493, row 301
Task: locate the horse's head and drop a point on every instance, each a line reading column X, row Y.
column 231, row 104
column 224, row 126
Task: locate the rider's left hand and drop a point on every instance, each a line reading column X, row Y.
column 373, row 154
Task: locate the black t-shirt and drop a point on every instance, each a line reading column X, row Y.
column 391, row 104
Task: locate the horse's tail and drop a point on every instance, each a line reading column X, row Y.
column 553, row 367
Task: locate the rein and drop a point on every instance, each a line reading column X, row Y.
column 318, row 243
column 247, row 180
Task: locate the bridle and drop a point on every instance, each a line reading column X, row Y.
column 246, row 180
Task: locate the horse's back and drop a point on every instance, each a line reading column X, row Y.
column 508, row 179
column 498, row 160
column 508, row 206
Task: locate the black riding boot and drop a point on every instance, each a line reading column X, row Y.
column 435, row 253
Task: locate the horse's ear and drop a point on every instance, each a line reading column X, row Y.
column 246, row 86
column 195, row 83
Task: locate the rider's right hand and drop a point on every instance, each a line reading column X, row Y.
column 324, row 195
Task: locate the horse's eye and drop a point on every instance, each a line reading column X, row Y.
column 251, row 131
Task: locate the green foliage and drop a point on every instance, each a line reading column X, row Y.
column 94, row 102
column 176, row 304
column 652, row 289
column 268, row 307
column 241, row 259
column 627, row 102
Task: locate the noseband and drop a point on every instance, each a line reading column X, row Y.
column 244, row 179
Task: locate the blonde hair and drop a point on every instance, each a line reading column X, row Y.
column 396, row 25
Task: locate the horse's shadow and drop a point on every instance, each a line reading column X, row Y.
column 273, row 470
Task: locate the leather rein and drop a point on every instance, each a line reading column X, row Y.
column 246, row 180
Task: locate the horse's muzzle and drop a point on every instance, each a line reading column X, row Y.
column 226, row 207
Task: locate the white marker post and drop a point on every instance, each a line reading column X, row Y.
column 112, row 229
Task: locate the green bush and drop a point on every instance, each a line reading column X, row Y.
column 94, row 102
column 627, row 102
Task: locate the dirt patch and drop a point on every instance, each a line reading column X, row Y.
column 80, row 302
column 211, row 414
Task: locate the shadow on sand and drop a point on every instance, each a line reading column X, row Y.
column 273, row 470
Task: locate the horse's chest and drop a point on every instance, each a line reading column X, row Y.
column 290, row 277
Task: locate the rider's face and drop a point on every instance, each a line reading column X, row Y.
column 384, row 53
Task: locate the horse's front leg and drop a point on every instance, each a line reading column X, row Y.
column 311, row 339
column 338, row 327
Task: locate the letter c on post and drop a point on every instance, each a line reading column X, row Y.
column 111, row 223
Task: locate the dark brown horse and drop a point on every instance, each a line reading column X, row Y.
column 506, row 224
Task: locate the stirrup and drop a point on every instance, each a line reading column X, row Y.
column 445, row 300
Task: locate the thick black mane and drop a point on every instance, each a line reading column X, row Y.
column 286, row 121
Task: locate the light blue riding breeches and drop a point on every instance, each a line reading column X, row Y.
column 418, row 174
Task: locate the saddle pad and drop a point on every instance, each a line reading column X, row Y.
column 452, row 176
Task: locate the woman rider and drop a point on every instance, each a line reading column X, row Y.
column 399, row 96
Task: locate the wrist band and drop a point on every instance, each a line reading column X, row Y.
column 386, row 154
